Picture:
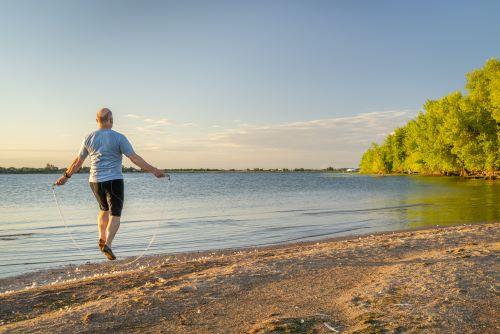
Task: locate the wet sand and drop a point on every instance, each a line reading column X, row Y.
column 438, row 280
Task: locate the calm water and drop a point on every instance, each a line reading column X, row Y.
column 219, row 210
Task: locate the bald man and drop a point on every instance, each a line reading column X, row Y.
column 105, row 148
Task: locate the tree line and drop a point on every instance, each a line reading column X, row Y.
column 458, row 134
column 51, row 169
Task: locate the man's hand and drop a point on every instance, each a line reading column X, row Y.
column 61, row 181
column 73, row 168
column 158, row 173
column 140, row 162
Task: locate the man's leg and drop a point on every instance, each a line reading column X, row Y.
column 103, row 215
column 115, row 197
column 114, row 224
column 102, row 223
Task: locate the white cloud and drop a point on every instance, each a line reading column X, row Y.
column 340, row 141
column 343, row 133
column 132, row 116
column 164, row 121
column 151, row 125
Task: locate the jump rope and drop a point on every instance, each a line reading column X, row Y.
column 151, row 241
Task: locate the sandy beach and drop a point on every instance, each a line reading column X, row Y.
column 437, row 280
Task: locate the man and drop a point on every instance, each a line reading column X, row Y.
column 105, row 148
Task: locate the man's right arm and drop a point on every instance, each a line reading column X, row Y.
column 141, row 163
column 75, row 165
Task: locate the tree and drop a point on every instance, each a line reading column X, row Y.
column 457, row 134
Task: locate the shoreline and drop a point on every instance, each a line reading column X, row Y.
column 438, row 279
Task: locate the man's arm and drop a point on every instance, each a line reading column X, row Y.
column 141, row 163
column 72, row 169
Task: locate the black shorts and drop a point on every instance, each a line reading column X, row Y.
column 109, row 195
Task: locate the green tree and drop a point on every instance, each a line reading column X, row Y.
column 457, row 134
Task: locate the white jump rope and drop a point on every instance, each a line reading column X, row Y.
column 68, row 231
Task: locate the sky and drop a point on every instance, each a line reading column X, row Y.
column 230, row 84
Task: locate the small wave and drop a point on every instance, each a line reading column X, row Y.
column 317, row 235
column 211, row 222
column 332, row 212
column 284, row 228
column 39, row 262
column 15, row 236
column 293, row 210
column 56, row 227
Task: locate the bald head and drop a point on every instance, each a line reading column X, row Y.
column 104, row 118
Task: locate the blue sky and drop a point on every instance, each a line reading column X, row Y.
column 230, row 84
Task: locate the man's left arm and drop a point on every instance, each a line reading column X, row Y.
column 72, row 169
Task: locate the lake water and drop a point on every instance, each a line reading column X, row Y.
column 203, row 211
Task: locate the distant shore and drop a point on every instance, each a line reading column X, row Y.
column 50, row 169
column 437, row 280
